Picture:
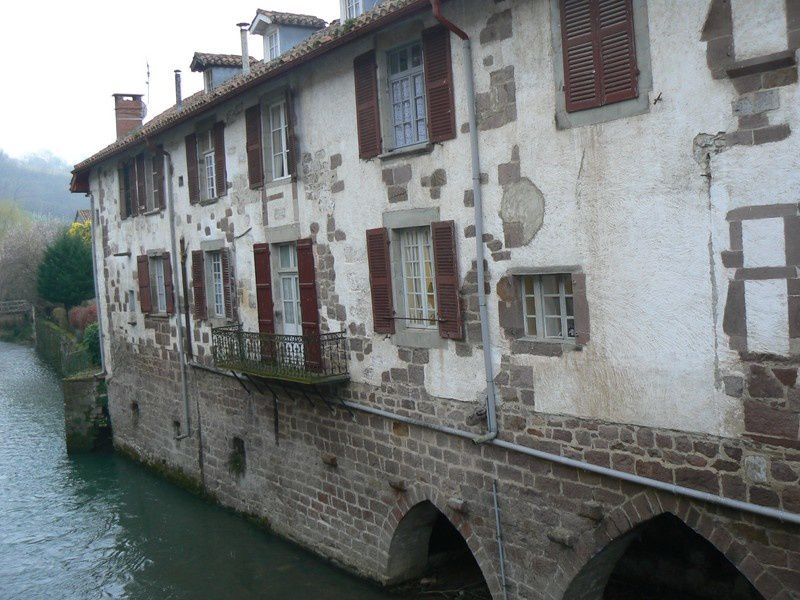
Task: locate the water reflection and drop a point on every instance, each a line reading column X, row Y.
column 99, row 526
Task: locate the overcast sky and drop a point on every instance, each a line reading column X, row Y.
column 61, row 61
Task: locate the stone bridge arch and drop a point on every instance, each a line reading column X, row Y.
column 406, row 530
column 598, row 550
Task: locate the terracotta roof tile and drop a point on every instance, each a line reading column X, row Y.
column 203, row 60
column 318, row 43
column 284, row 18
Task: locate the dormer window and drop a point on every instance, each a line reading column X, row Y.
column 353, row 8
column 273, row 45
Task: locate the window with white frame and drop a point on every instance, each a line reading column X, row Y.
column 419, row 285
column 273, row 45
column 217, row 300
column 353, row 8
column 158, row 284
column 407, row 95
column 278, row 140
column 208, row 177
column 547, row 303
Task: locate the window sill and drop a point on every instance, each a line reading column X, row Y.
column 419, row 338
column 160, row 316
column 422, row 148
column 544, row 347
column 209, row 201
column 154, row 211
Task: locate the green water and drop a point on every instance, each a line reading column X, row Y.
column 100, row 526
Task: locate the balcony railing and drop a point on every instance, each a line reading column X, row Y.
column 298, row 358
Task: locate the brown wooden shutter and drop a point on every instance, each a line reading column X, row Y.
column 220, row 173
column 367, row 115
column 380, row 280
column 599, row 52
column 141, row 184
column 143, row 275
column 229, row 286
column 123, row 190
column 159, row 198
column 580, row 307
column 448, row 302
column 266, row 308
column 169, row 291
column 199, row 284
column 291, row 140
column 617, row 50
column 439, row 84
column 255, row 151
column 309, row 309
column 192, row 176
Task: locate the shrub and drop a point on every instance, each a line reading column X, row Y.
column 91, row 342
column 81, row 316
column 65, row 275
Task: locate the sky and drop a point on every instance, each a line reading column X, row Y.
column 61, row 61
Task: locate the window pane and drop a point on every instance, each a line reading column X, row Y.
column 285, row 254
column 403, row 56
column 416, row 55
column 570, row 327
column 549, row 284
column 530, row 307
column 570, row 310
column 552, row 306
column 528, row 283
column 567, row 284
column 532, row 326
column 552, row 327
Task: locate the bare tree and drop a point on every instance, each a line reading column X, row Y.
column 22, row 243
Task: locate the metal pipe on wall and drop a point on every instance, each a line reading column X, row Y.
column 95, row 228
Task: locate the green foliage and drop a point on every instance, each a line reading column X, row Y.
column 82, row 230
column 65, row 274
column 91, row 342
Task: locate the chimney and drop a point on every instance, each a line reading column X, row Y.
column 130, row 111
column 243, row 27
column 178, row 97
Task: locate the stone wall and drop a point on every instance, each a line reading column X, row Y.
column 85, row 413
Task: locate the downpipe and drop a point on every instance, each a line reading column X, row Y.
column 176, row 269
column 469, row 85
column 96, row 228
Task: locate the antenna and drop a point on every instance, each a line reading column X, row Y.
column 147, row 83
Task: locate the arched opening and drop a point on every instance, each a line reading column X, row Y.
column 661, row 559
column 429, row 555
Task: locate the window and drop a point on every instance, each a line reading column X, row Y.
column 127, row 181
column 407, row 95
column 208, row 177
column 419, row 289
column 273, row 46
column 278, row 140
column 353, row 8
column 158, row 284
column 547, row 304
column 289, row 284
column 217, row 285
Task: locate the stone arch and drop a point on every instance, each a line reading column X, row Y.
column 598, row 550
column 406, row 530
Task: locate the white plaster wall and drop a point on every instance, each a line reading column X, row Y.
column 625, row 200
column 759, row 28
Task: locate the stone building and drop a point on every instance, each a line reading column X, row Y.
column 294, row 317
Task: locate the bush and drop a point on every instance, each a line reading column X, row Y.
column 81, row 316
column 91, row 341
column 65, row 275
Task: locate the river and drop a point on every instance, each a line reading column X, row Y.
column 101, row 526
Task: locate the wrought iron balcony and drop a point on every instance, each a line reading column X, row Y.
column 308, row 359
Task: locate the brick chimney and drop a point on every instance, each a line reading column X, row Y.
column 130, row 111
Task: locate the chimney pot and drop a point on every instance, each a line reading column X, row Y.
column 130, row 111
column 243, row 29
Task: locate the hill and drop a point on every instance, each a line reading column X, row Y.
column 39, row 184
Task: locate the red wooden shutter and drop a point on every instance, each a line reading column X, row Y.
column 159, row 199
column 367, row 115
column 448, row 303
column 143, row 275
column 141, row 184
column 229, row 286
column 439, row 84
column 599, row 52
column 291, row 141
column 192, row 176
column 199, row 284
column 220, row 173
column 266, row 308
column 169, row 291
column 380, row 280
column 309, row 309
column 255, row 152
column 617, row 50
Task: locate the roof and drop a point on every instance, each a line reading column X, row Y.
column 284, row 18
column 83, row 215
column 317, row 44
column 202, row 60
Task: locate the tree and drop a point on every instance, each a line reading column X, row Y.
column 65, row 275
